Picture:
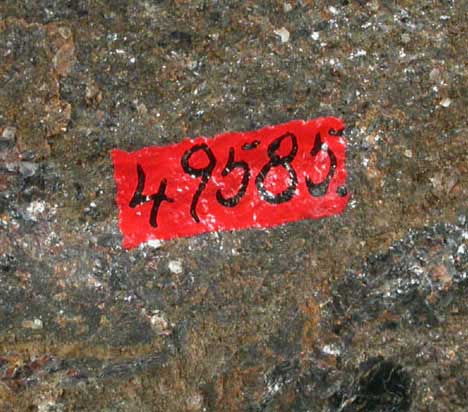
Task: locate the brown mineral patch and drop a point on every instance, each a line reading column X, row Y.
column 58, row 113
column 440, row 274
column 34, row 105
column 310, row 330
column 64, row 59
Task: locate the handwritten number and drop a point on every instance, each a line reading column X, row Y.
column 230, row 166
column 276, row 160
column 205, row 173
column 139, row 198
column 320, row 189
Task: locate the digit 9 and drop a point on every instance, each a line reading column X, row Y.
column 204, row 172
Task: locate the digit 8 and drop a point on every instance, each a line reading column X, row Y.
column 276, row 160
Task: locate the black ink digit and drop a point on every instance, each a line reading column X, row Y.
column 320, row 189
column 139, row 198
column 230, row 166
column 276, row 160
column 205, row 173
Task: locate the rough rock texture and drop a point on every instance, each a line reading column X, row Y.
column 362, row 312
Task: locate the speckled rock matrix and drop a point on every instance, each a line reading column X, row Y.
column 364, row 311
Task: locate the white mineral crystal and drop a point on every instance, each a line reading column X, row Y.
column 283, row 34
column 175, row 266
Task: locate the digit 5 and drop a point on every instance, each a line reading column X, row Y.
column 230, row 166
column 320, row 189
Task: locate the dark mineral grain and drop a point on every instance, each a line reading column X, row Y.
column 366, row 311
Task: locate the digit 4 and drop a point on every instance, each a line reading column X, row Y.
column 139, row 198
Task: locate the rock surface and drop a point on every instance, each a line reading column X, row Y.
column 361, row 312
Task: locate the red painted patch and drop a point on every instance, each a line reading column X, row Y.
column 262, row 178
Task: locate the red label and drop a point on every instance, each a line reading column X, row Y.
column 262, row 178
